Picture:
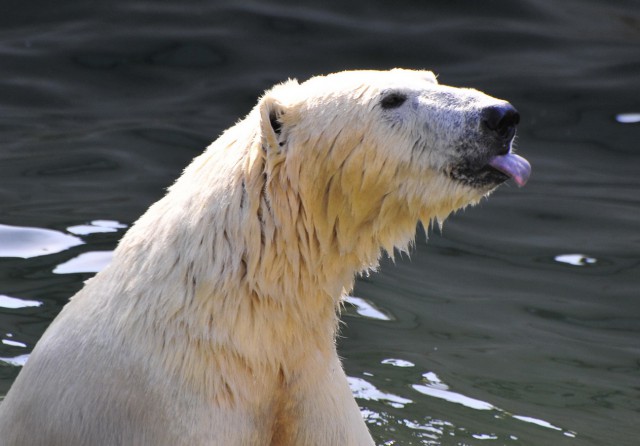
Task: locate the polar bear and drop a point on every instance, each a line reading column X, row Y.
column 215, row 323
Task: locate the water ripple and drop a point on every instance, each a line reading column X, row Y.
column 432, row 430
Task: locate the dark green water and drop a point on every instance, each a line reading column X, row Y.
column 518, row 325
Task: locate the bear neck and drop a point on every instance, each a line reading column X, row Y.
column 225, row 247
column 237, row 231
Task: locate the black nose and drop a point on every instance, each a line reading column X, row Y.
column 501, row 119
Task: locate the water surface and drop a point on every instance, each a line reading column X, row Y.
column 519, row 324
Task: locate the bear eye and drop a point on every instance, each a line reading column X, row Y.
column 393, row 100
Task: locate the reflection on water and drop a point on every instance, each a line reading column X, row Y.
column 628, row 118
column 397, row 362
column 436, row 388
column 433, row 431
column 17, row 361
column 367, row 309
column 88, row 262
column 13, row 343
column 96, row 226
column 32, row 242
column 14, row 302
column 575, row 259
column 19, row 316
column 431, row 385
column 364, row 390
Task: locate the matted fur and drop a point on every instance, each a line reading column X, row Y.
column 215, row 323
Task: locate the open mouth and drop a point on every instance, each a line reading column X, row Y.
column 499, row 169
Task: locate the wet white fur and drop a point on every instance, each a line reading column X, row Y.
column 215, row 323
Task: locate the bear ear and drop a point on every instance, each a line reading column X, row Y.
column 270, row 112
column 431, row 76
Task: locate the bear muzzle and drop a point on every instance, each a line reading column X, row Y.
column 498, row 128
column 502, row 120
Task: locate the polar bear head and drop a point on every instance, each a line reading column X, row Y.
column 369, row 153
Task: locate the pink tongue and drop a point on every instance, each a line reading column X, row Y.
column 514, row 166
